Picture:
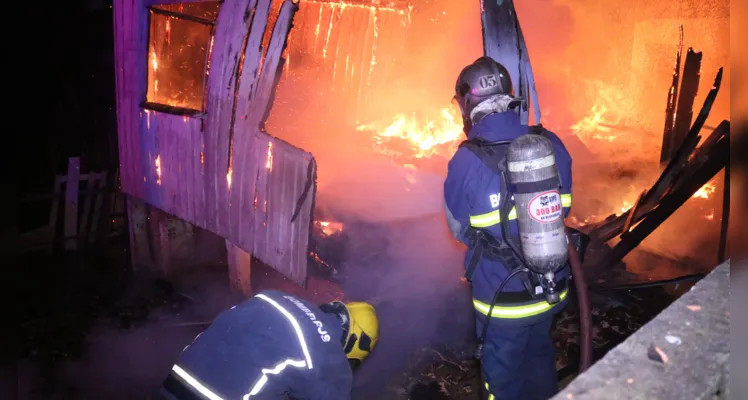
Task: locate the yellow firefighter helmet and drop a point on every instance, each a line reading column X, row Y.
column 363, row 331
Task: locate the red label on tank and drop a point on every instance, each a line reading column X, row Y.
column 546, row 207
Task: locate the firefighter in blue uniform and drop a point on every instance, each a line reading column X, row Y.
column 276, row 346
column 517, row 354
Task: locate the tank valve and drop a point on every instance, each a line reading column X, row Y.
column 551, row 295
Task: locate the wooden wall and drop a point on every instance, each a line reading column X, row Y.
column 180, row 164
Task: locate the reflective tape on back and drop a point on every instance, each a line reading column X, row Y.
column 531, row 165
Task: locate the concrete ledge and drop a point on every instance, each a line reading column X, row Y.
column 692, row 336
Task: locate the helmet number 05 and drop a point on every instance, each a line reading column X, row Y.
column 487, row 81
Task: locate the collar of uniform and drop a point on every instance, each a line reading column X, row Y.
column 492, row 127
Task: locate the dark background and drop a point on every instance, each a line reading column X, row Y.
column 71, row 79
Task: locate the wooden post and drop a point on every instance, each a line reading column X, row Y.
column 71, row 203
column 141, row 252
column 240, row 266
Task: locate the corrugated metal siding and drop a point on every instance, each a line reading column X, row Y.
column 180, row 164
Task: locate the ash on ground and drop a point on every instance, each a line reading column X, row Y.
column 451, row 373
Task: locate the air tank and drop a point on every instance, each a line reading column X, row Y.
column 531, row 165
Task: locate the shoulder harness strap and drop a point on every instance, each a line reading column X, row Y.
column 492, row 154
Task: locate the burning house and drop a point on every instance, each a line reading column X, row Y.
column 363, row 88
column 195, row 86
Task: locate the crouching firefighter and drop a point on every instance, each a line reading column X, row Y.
column 276, row 346
column 507, row 192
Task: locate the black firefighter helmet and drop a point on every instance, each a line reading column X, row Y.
column 479, row 81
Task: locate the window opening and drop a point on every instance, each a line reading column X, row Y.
column 179, row 46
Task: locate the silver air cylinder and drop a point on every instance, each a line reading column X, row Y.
column 535, row 180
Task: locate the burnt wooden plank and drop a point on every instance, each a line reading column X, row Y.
column 667, row 149
column 613, row 225
column 503, row 41
column 689, row 87
column 243, row 129
column 231, row 29
column 264, row 91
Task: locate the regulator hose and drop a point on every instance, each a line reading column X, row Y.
column 478, row 354
column 585, row 317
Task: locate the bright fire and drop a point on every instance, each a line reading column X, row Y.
column 705, row 191
column 329, row 227
column 424, row 138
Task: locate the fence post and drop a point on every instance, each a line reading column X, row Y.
column 71, row 204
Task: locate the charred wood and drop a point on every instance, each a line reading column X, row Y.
column 687, row 147
column 716, row 160
column 614, row 225
column 667, row 138
column 689, row 87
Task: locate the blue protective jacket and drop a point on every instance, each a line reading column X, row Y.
column 471, row 194
column 272, row 346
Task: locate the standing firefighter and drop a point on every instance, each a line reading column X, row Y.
column 516, row 262
column 276, row 346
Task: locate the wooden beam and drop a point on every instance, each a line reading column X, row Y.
column 240, row 270
column 689, row 87
column 71, row 202
column 667, row 149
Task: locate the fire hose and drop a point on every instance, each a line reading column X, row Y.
column 585, row 317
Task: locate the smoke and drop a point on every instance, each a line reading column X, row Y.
column 603, row 70
column 131, row 362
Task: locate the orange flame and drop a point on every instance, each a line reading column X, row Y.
column 705, row 191
column 424, row 138
column 329, row 227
